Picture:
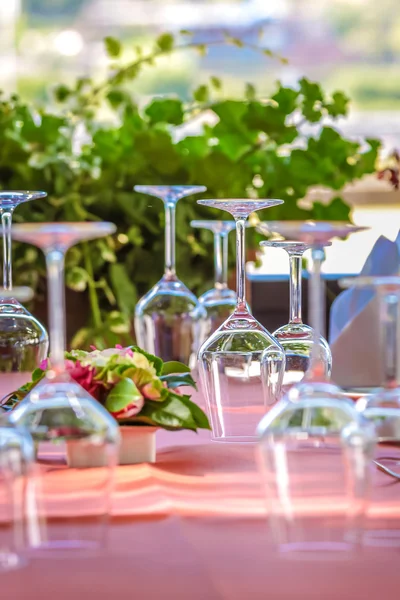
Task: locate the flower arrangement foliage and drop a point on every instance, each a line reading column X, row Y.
column 137, row 388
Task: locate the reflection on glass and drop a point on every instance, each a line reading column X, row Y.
column 169, row 320
column 241, row 364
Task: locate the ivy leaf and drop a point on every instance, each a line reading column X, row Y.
column 165, row 110
column 165, row 42
column 216, row 82
column 113, row 47
column 339, row 104
column 199, row 416
column 201, row 94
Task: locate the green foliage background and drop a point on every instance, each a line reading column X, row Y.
column 255, row 148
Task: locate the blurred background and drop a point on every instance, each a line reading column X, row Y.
column 352, row 45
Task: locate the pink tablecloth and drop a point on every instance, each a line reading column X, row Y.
column 194, row 526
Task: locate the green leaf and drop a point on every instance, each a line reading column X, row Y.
column 250, row 92
column 77, row 279
column 174, row 381
column 165, row 110
column 113, row 47
column 216, row 82
column 173, row 413
column 165, row 42
column 122, row 395
column 201, row 94
column 174, row 367
column 123, row 288
column 62, row 92
column 198, row 414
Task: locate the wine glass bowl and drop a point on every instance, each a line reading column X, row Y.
column 169, row 320
column 23, row 339
column 240, row 364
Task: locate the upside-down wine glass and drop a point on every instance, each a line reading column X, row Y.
column 295, row 337
column 313, row 434
column 169, row 320
column 383, row 406
column 16, row 459
column 241, row 365
column 220, row 301
column 74, row 435
column 23, row 340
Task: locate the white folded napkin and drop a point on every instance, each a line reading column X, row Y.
column 354, row 323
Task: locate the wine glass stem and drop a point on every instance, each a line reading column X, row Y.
column 6, row 221
column 218, row 261
column 295, row 261
column 317, row 314
column 225, row 259
column 240, row 264
column 170, row 238
column 389, row 306
column 56, row 299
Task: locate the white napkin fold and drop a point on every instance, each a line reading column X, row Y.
column 354, row 323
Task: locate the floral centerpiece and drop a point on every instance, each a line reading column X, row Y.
column 138, row 389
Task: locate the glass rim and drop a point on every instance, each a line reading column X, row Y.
column 64, row 226
column 21, row 195
column 388, row 281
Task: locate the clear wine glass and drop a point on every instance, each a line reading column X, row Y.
column 295, row 337
column 317, row 477
column 241, row 365
column 74, row 435
column 23, row 340
column 169, row 320
column 382, row 407
column 220, row 301
column 316, row 235
column 16, row 459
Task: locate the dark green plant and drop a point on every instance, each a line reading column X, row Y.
column 252, row 147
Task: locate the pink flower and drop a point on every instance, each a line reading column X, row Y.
column 85, row 377
column 44, row 364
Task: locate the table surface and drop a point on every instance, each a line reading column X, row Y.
column 194, row 525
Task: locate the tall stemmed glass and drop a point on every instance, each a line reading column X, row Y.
column 220, row 301
column 23, row 340
column 169, row 320
column 313, row 432
column 316, row 235
column 383, row 406
column 66, row 423
column 241, row 364
column 295, row 337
